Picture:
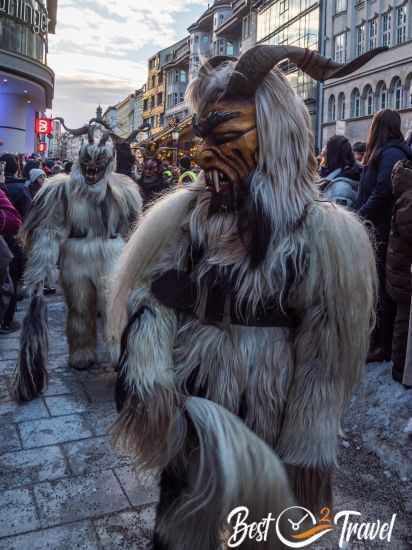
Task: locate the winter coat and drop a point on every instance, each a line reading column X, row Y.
column 341, row 186
column 10, row 220
column 18, row 194
column 375, row 199
column 399, row 255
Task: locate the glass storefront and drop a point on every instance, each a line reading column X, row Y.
column 296, row 23
column 22, row 36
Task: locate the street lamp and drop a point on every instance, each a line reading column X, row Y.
column 175, row 139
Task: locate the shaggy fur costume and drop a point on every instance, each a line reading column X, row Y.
column 183, row 381
column 83, row 228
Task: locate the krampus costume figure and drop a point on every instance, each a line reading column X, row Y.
column 80, row 221
column 250, row 303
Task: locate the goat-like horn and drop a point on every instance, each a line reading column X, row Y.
column 74, row 131
column 255, row 64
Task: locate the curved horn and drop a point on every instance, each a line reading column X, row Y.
column 74, row 131
column 255, row 64
column 214, row 62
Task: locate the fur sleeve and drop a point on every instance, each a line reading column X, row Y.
column 336, row 304
column 127, row 195
column 43, row 231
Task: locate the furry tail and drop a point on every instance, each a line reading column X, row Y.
column 230, row 468
column 30, row 376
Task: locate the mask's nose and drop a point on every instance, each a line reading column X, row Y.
column 206, row 159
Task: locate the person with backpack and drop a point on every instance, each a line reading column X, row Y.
column 340, row 173
column 385, row 147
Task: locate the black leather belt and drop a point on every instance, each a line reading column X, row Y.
column 177, row 290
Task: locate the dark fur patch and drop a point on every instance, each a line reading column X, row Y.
column 30, row 376
column 312, row 487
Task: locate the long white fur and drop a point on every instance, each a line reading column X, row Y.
column 294, row 383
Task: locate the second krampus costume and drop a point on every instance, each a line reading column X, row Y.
column 81, row 222
column 249, row 304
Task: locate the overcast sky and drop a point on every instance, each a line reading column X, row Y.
column 100, row 50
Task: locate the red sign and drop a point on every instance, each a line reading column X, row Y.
column 43, row 126
column 42, row 147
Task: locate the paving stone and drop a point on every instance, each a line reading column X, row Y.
column 23, row 467
column 102, row 417
column 50, row 431
column 137, row 493
column 15, row 412
column 93, row 455
column 67, row 404
column 7, row 367
column 101, row 388
column 61, row 385
column 17, row 512
column 9, row 438
column 4, row 389
column 79, row 498
column 78, row 536
column 131, row 530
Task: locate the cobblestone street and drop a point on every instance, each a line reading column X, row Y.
column 63, row 486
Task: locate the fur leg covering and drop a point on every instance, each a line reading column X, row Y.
column 217, row 464
column 80, row 295
column 30, row 376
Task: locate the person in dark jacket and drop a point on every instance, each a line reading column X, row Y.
column 15, row 187
column 21, row 199
column 385, row 147
column 399, row 261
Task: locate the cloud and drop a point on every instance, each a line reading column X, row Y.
column 100, row 50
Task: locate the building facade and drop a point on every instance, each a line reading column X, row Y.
column 296, row 23
column 127, row 115
column 26, row 82
column 385, row 82
column 154, row 95
column 53, row 150
column 176, row 77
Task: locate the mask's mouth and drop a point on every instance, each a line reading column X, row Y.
column 93, row 174
column 217, row 181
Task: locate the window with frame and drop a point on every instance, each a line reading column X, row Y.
column 341, row 5
column 341, row 106
column 246, row 27
column 386, row 28
column 397, row 94
column 373, row 33
column 369, row 102
column 383, row 97
column 183, row 76
column 332, row 109
column 340, row 48
column 360, row 39
column 159, row 99
column 355, row 103
column 401, row 24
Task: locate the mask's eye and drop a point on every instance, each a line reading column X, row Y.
column 219, row 139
